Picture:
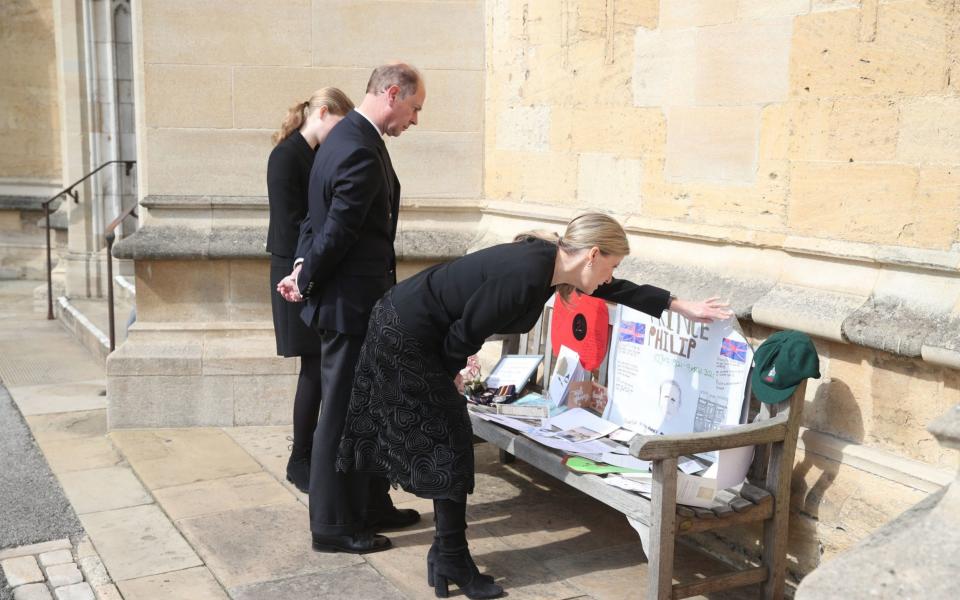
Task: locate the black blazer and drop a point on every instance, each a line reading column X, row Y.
column 347, row 245
column 288, row 172
column 454, row 307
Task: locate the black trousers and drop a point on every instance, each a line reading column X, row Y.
column 340, row 503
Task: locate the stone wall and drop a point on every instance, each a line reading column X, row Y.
column 30, row 128
column 213, row 84
column 829, row 119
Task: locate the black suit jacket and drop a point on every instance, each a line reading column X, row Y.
column 347, row 246
column 288, row 174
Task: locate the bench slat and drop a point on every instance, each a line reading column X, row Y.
column 757, row 513
column 723, row 511
column 755, row 494
column 720, row 582
column 550, row 461
column 652, row 447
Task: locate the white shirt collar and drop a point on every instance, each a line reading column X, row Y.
column 380, row 133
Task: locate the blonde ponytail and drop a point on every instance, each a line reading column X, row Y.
column 336, row 101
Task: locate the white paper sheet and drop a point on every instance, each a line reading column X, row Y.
column 624, row 483
column 731, row 466
column 506, row 421
column 623, row 435
column 626, row 461
column 690, row 466
column 644, row 532
column 578, row 425
column 613, row 446
column 693, row 490
column 567, row 370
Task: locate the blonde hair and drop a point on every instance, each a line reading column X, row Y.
column 585, row 232
column 337, row 103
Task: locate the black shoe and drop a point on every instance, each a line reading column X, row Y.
column 360, row 543
column 398, row 518
column 298, row 472
column 461, row 570
column 432, row 557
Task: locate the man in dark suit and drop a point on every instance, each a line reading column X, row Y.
column 348, row 264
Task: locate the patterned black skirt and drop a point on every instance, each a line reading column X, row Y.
column 406, row 420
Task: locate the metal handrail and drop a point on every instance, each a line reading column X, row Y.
column 110, row 236
column 69, row 191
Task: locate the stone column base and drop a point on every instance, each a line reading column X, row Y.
column 165, row 376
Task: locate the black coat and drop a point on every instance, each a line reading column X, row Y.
column 288, row 172
column 454, row 307
column 354, row 201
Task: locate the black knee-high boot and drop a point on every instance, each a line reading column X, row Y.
column 453, row 561
column 435, row 549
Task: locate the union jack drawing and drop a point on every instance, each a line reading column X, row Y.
column 632, row 332
column 734, row 349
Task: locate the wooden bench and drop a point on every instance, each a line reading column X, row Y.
column 764, row 497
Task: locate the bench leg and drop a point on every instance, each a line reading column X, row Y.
column 775, row 529
column 506, row 458
column 663, row 529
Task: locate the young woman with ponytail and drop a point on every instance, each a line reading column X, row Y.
column 288, row 171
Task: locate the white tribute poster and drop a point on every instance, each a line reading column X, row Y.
column 671, row 375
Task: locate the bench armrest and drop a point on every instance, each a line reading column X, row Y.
column 657, row 447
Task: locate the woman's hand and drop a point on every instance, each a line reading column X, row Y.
column 458, row 381
column 706, row 311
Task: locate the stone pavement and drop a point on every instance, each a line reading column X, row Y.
column 206, row 512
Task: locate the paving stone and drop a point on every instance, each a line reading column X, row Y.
column 267, row 444
column 168, row 457
column 22, row 570
column 63, row 575
column 259, row 544
column 68, row 426
column 60, row 397
column 94, row 572
column 85, row 548
column 96, row 490
column 56, row 557
column 138, row 541
column 35, row 548
column 75, row 455
column 107, row 591
column 355, row 581
column 77, row 591
column 33, row 591
column 218, row 495
column 192, row 583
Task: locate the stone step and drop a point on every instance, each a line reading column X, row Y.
column 87, row 320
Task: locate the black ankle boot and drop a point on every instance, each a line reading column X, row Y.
column 461, row 570
column 432, row 557
column 298, row 471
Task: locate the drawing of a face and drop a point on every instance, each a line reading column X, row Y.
column 669, row 399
